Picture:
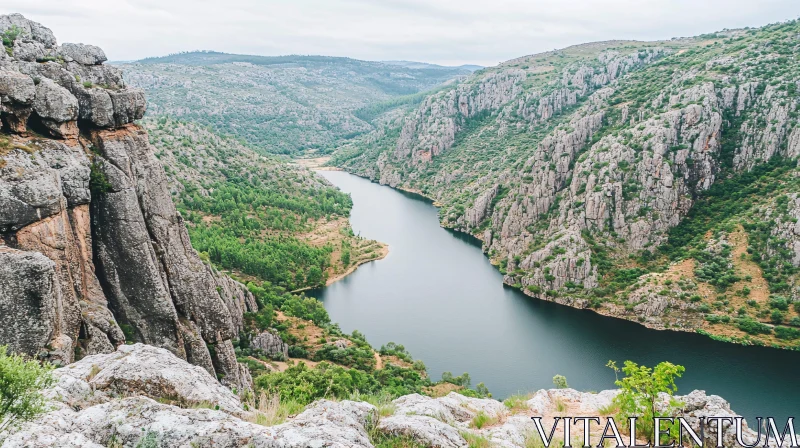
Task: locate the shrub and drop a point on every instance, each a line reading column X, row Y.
column 776, row 317
column 752, row 326
column 787, row 333
column 560, row 381
column 21, row 384
column 640, row 389
column 778, row 303
column 464, row 380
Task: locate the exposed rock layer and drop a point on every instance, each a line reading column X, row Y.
column 94, row 252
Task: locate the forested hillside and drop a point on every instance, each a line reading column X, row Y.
column 261, row 217
column 654, row 181
column 284, row 104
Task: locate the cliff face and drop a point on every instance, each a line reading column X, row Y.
column 594, row 171
column 93, row 252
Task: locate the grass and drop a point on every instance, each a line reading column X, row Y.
column 560, row 405
column 93, row 372
column 383, row 402
column 390, row 441
column 475, row 440
column 517, row 403
column 481, row 419
column 610, row 409
column 532, row 440
column 269, row 410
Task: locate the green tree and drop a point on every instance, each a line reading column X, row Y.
column 21, row 383
column 560, row 381
column 641, row 387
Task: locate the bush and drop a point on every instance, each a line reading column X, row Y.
column 464, row 380
column 304, row 385
column 778, row 303
column 752, row 326
column 640, row 389
column 21, row 384
column 787, row 333
column 560, row 381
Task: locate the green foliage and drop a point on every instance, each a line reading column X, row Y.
column 787, row 333
column 148, row 440
column 9, row 36
column 305, row 385
column 307, row 308
column 560, row 381
column 752, row 326
column 463, row 380
column 392, row 349
column 21, row 384
column 640, row 388
column 481, row 419
column 352, row 356
column 98, row 183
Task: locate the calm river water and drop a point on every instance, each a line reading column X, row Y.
column 437, row 294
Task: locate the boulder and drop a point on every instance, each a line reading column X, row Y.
column 142, row 370
column 426, row 430
column 57, row 108
column 16, row 87
column 271, row 344
column 82, row 54
column 28, row 298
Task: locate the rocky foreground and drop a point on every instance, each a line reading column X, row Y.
column 144, row 392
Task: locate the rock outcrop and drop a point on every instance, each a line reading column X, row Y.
column 145, row 394
column 574, row 166
column 94, row 252
column 271, row 344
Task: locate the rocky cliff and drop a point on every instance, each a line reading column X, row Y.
column 594, row 174
column 145, row 396
column 93, row 253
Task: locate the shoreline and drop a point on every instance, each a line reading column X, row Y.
column 384, row 252
column 606, row 312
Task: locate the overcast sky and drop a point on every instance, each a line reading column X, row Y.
column 450, row 32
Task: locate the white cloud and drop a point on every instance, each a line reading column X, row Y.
column 441, row 31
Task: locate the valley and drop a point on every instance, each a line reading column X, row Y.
column 251, row 248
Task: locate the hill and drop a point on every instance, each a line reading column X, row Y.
column 653, row 181
column 282, row 104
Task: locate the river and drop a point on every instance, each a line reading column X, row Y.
column 437, row 294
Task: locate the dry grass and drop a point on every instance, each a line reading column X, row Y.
column 93, row 372
column 270, row 410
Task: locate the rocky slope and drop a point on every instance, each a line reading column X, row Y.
column 93, row 251
column 622, row 176
column 285, row 104
column 145, row 396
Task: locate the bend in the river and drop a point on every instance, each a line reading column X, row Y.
column 437, row 294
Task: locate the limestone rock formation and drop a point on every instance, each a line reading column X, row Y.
column 95, row 252
column 141, row 393
column 576, row 166
column 271, row 344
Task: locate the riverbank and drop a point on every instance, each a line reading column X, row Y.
column 349, row 251
column 674, row 299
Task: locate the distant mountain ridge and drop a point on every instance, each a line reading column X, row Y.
column 278, row 104
column 414, row 64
